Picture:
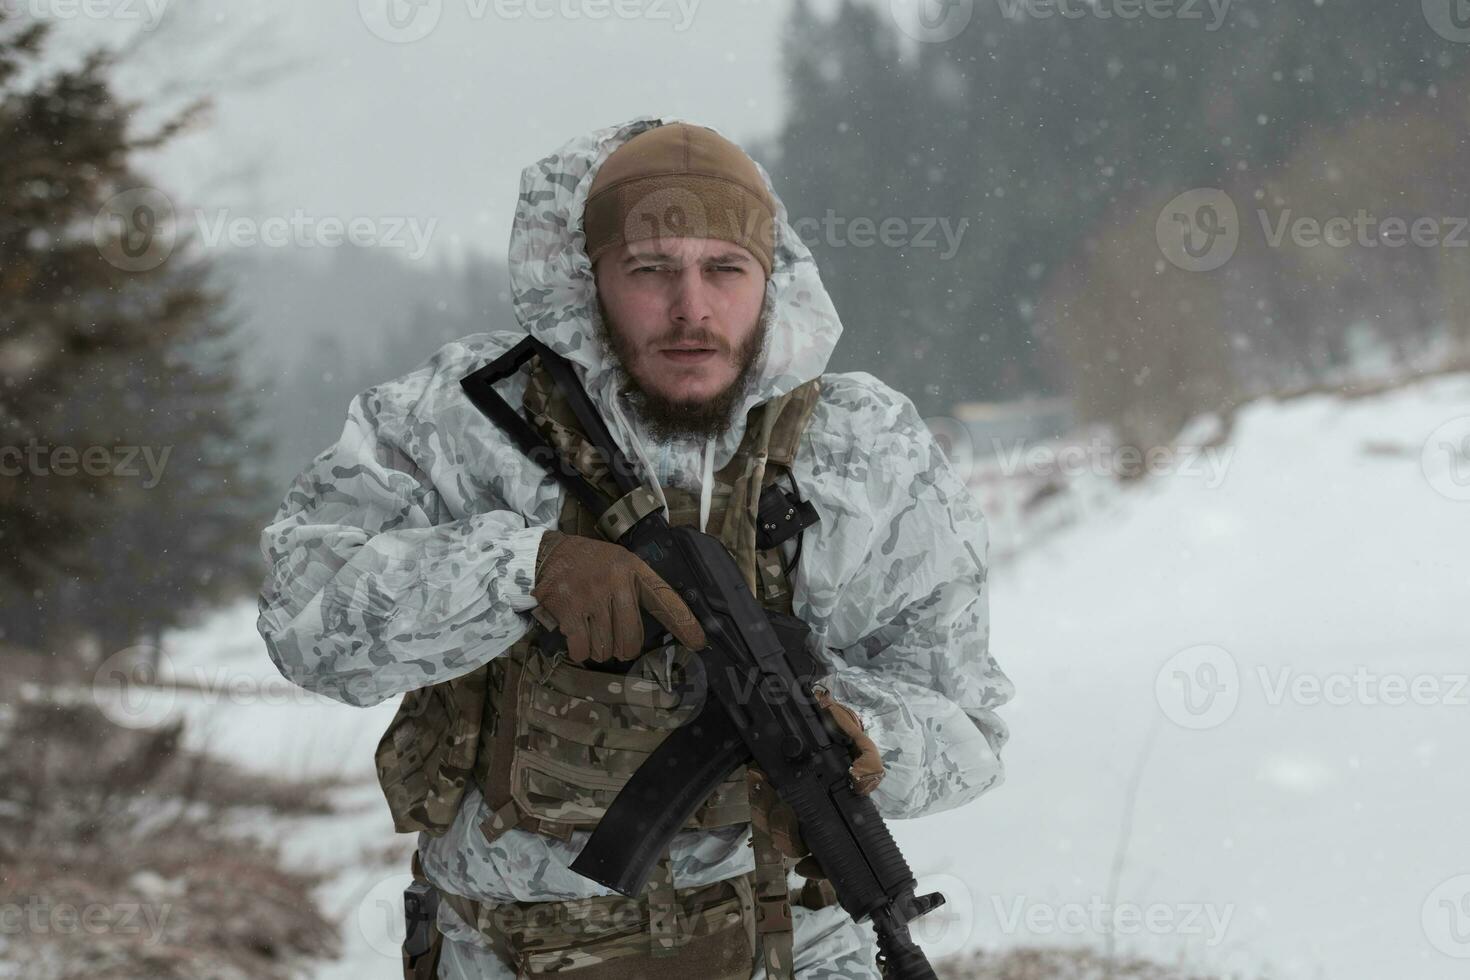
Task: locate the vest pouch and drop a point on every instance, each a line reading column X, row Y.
column 609, row 937
column 581, row 734
column 426, row 756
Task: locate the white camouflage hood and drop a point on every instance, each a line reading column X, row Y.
column 555, row 299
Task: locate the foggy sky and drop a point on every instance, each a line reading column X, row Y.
column 318, row 115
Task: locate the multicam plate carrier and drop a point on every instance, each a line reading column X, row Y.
column 550, row 743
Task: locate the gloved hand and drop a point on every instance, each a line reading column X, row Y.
column 866, row 773
column 867, row 764
column 595, row 592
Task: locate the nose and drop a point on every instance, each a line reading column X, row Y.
column 690, row 303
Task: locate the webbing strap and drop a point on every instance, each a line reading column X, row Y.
column 772, row 899
column 470, row 913
column 663, row 910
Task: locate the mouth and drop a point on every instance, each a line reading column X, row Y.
column 688, row 355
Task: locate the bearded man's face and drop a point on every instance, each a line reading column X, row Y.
column 685, row 319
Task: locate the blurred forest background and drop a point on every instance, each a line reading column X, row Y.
column 1060, row 147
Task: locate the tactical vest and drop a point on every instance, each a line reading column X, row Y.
column 550, row 743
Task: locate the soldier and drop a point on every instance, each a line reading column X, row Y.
column 423, row 553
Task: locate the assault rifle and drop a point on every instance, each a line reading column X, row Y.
column 755, row 676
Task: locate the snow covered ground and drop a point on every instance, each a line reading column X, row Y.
column 246, row 712
column 1315, row 810
column 1289, row 643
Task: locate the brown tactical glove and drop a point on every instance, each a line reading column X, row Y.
column 595, row 592
column 866, row 773
column 867, row 764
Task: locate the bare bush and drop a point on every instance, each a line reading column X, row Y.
column 1057, row 964
column 118, row 862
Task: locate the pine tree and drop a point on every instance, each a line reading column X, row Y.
column 108, row 341
column 1047, row 134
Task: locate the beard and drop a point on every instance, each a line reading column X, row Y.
column 672, row 418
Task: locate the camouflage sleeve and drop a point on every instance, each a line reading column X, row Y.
column 373, row 590
column 908, row 638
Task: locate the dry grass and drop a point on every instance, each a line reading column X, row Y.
column 1057, row 964
column 114, row 860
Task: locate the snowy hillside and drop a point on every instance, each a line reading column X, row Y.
column 1322, row 822
column 1299, row 813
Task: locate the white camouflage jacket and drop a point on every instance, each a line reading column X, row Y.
column 403, row 555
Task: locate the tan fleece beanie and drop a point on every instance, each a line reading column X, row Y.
column 680, row 181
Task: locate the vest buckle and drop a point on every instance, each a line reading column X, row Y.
column 541, row 674
column 629, row 509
